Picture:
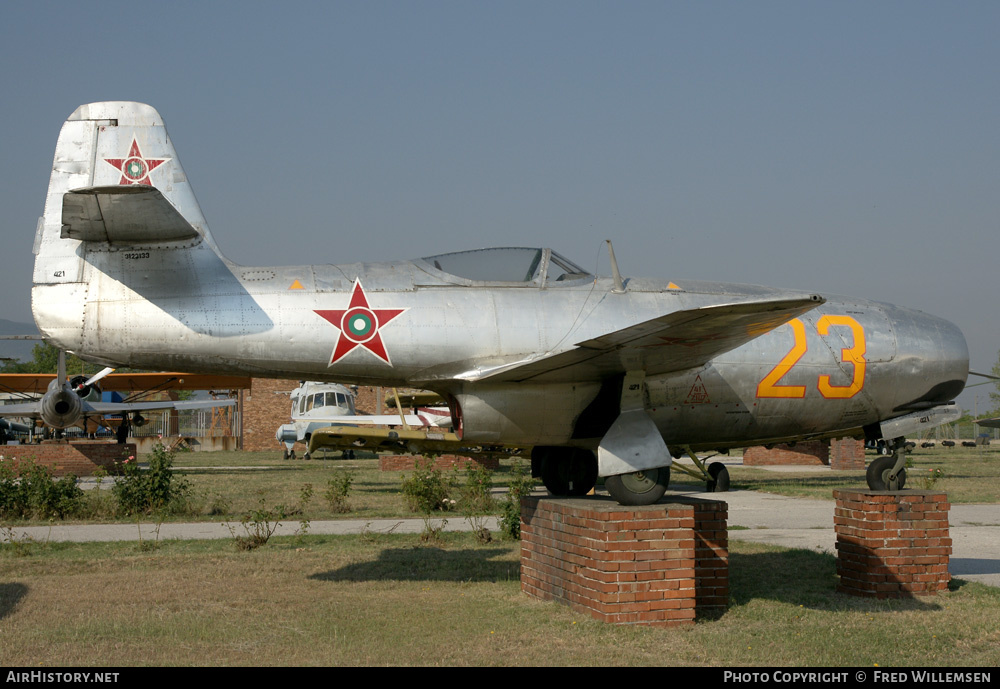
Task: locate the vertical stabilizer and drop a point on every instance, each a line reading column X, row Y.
column 109, row 145
column 114, row 143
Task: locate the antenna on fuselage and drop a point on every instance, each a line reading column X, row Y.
column 619, row 287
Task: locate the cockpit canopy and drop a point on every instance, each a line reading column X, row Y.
column 332, row 398
column 508, row 264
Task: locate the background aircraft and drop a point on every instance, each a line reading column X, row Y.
column 600, row 376
column 76, row 401
column 318, row 405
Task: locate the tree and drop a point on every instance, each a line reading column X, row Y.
column 45, row 359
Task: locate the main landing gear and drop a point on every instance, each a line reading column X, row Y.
column 565, row 471
column 640, row 487
column 571, row 472
column 715, row 475
column 889, row 473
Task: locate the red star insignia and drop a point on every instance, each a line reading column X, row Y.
column 135, row 169
column 359, row 325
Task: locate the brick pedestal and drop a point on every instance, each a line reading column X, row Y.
column 813, row 452
column 892, row 545
column 80, row 458
column 657, row 565
column 840, row 454
column 442, row 462
column 847, row 454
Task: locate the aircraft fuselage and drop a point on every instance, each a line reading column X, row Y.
column 843, row 365
column 528, row 348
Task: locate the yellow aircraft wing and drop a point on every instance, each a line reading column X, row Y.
column 414, row 440
column 38, row 383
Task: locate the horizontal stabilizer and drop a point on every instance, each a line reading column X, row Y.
column 127, row 214
column 674, row 342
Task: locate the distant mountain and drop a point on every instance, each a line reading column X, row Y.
column 17, row 349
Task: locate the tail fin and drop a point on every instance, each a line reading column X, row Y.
column 116, row 183
column 117, row 157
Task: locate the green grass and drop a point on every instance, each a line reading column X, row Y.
column 970, row 475
column 351, row 600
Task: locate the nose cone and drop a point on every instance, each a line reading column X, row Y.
column 932, row 360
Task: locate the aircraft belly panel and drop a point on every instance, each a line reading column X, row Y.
column 523, row 414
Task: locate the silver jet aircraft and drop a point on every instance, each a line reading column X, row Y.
column 600, row 376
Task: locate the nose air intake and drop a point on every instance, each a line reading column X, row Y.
column 934, row 361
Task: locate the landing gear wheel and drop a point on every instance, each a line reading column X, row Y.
column 878, row 475
column 569, row 472
column 284, row 454
column 720, row 478
column 639, row 488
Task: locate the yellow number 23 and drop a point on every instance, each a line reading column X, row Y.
column 854, row 355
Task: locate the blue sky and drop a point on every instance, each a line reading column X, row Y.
column 837, row 147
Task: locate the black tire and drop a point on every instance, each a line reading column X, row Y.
column 878, row 474
column 720, row 478
column 640, row 487
column 569, row 472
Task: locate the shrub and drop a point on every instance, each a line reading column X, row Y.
column 258, row 525
column 29, row 490
column 336, row 492
column 427, row 491
column 510, row 507
column 477, row 499
column 155, row 489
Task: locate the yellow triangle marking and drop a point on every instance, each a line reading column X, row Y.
column 672, row 286
column 296, row 285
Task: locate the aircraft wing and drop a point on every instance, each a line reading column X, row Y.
column 127, row 214
column 38, row 383
column 990, row 423
column 371, row 420
column 27, row 410
column 419, row 398
column 416, row 441
column 119, row 407
column 33, row 409
column 673, row 342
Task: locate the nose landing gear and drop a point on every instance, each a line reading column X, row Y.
column 889, row 473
